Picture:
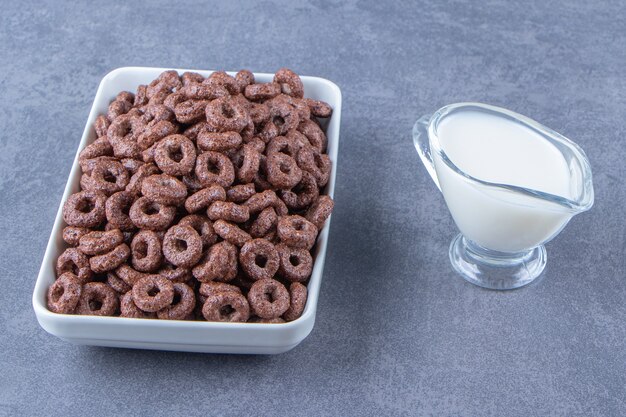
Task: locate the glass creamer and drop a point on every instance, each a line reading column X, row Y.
column 510, row 184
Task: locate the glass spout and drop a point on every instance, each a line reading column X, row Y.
column 422, row 146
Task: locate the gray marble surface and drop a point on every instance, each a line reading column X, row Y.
column 397, row 332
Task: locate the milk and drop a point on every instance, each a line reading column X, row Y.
column 495, row 149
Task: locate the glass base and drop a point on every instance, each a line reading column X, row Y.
column 496, row 270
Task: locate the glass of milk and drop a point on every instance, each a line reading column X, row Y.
column 510, row 184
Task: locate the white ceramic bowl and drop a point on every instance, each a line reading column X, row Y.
column 192, row 336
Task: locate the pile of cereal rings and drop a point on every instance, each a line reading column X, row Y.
column 200, row 200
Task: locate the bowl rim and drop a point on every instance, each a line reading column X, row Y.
column 41, row 310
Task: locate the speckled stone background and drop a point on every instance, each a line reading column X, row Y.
column 397, row 332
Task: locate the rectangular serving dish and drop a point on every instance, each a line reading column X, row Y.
column 191, row 336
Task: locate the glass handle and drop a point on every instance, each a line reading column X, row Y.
column 422, row 145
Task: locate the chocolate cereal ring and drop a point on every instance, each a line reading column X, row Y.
column 261, row 91
column 183, row 303
column 84, row 209
column 223, row 79
column 296, row 231
column 319, row 165
column 264, row 223
column 74, row 261
column 175, row 155
column 247, row 163
column 319, row 108
column 240, row 193
column 282, row 171
column 87, row 166
column 259, row 113
column 204, row 198
column 99, row 147
column 125, row 148
column 261, row 201
column 244, row 78
column 298, row 139
column 141, row 97
column 260, row 179
column 204, row 91
column 146, row 251
column 314, row 134
column 97, row 243
column 125, row 96
column 259, row 259
column 290, row 83
column 147, row 214
column 175, row 273
column 64, row 293
column 247, row 133
column 284, row 116
column 164, row 189
column 191, row 78
column 132, row 165
column 296, row 264
column 268, row 298
column 280, row 207
column 159, row 97
column 128, row 274
column 219, row 263
column 144, row 171
column 214, row 168
column 123, row 128
column 110, row 260
column 258, row 144
column 268, row 131
column 193, row 131
column 297, row 298
column 218, row 141
column 148, row 154
column 101, row 125
column 154, row 113
column 130, row 310
column 228, row 211
column 116, row 210
column 191, row 111
column 174, row 99
column 117, row 283
column 203, row 226
column 153, row 133
column 72, row 234
column 227, row 307
column 97, row 299
column 192, row 182
column 320, row 211
column 153, row 293
column 118, row 107
column 166, row 82
column 284, row 145
column 231, row 233
column 209, row 288
column 303, row 194
column 182, row 246
column 297, row 104
column 227, row 115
